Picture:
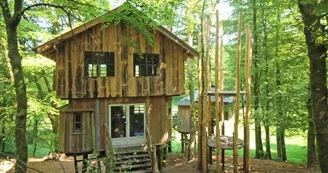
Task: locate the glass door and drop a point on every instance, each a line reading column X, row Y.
column 127, row 124
column 118, row 124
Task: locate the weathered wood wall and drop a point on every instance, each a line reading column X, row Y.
column 76, row 142
column 160, row 119
column 122, row 40
column 184, row 119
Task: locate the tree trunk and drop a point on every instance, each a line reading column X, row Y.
column 258, row 137
column 281, row 149
column 267, row 142
column 278, row 138
column 54, row 119
column 20, row 88
column 3, row 134
column 283, row 145
column 311, row 154
column 267, row 90
column 318, row 80
column 35, row 137
column 12, row 19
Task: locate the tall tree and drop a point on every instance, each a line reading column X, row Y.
column 266, row 122
column 313, row 14
column 258, row 137
column 12, row 20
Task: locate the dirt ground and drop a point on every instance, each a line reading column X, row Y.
column 176, row 163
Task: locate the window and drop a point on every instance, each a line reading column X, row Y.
column 99, row 64
column 77, row 123
column 146, row 64
column 139, row 109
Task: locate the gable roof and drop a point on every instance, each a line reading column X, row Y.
column 50, row 46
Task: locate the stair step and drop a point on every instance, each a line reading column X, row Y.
column 132, row 152
column 148, row 170
column 131, row 161
column 131, row 167
column 135, row 156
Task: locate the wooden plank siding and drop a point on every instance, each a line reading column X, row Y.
column 70, row 71
column 159, row 114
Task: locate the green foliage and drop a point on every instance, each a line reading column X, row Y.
column 144, row 16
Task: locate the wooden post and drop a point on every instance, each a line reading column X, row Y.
column 154, row 162
column 221, row 86
column 159, row 156
column 75, row 165
column 248, row 64
column 237, row 104
column 200, row 103
column 182, row 143
column 217, row 116
column 191, row 144
column 85, row 163
column 205, row 94
column 209, row 123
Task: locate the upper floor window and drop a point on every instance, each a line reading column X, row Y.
column 146, row 64
column 99, row 64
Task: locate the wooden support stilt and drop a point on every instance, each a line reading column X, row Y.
column 159, row 156
column 237, row 104
column 85, row 163
column 75, row 165
column 182, row 143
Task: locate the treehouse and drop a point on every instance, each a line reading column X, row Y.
column 117, row 84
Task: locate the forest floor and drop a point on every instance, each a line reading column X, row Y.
column 176, row 163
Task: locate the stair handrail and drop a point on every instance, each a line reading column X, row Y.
column 151, row 151
column 110, row 161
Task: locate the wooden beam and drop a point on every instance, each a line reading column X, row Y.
column 237, row 104
column 226, row 93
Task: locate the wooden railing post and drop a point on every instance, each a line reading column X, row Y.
column 159, row 156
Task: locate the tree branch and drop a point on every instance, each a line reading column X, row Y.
column 5, row 9
column 18, row 7
column 62, row 7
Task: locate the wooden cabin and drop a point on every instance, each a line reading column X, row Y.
column 183, row 118
column 113, row 88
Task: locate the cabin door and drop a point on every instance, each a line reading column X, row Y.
column 127, row 124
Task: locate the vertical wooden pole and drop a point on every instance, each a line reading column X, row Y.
column 200, row 103
column 248, row 64
column 237, row 104
column 191, row 144
column 217, row 117
column 209, row 124
column 182, row 143
column 221, row 88
column 221, row 85
column 205, row 94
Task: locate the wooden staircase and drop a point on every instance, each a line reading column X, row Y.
column 134, row 161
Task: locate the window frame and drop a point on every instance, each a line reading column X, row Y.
column 75, row 122
column 96, row 62
column 146, row 65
